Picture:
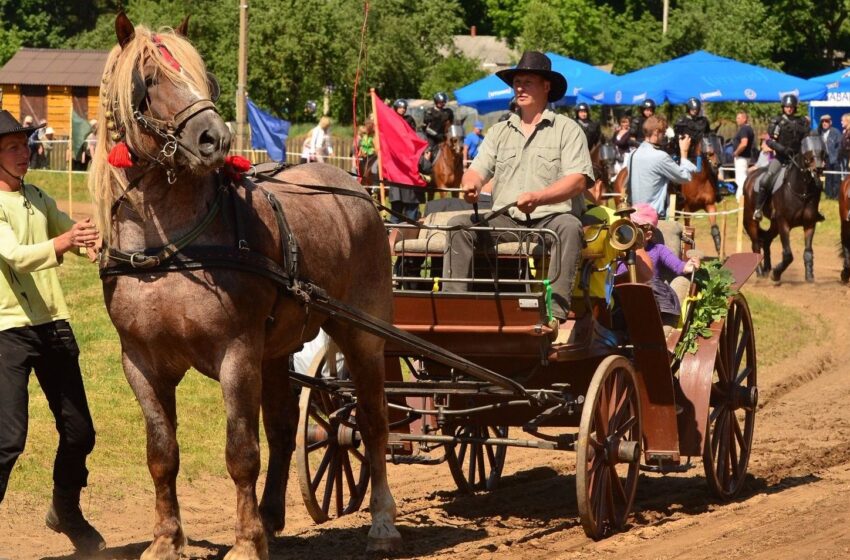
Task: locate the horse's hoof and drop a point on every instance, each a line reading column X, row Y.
column 248, row 551
column 845, row 276
column 810, row 279
column 165, row 549
column 383, row 544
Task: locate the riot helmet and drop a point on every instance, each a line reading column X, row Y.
column 310, row 107
column 400, row 104
column 694, row 104
column 440, row 97
column 648, row 104
column 582, row 107
column 789, row 100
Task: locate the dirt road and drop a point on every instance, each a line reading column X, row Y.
column 796, row 503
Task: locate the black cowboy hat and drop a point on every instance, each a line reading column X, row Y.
column 10, row 125
column 538, row 63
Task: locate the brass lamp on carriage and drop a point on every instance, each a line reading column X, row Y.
column 627, row 237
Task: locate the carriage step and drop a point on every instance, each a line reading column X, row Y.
column 415, row 459
column 668, row 468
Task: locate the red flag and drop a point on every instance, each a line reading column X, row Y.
column 399, row 146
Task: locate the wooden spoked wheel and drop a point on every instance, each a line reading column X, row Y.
column 330, row 458
column 734, row 398
column 476, row 466
column 608, row 448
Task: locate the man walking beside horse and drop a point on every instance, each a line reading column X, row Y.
column 540, row 163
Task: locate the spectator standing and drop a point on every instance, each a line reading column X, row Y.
column 366, row 156
column 317, row 145
column 845, row 143
column 832, row 140
column 35, row 334
column 623, row 141
column 472, row 142
column 651, row 168
column 744, row 147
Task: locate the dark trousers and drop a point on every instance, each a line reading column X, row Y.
column 51, row 351
column 833, row 180
column 562, row 267
column 409, row 210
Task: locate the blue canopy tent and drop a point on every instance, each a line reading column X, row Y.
column 707, row 77
column 837, row 99
column 492, row 94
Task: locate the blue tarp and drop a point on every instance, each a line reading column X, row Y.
column 837, row 85
column 492, row 94
column 267, row 132
column 706, row 76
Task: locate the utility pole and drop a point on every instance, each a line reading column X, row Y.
column 664, row 16
column 242, row 74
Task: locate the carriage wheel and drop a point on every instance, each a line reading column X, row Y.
column 608, row 448
column 332, row 469
column 476, row 466
column 734, row 398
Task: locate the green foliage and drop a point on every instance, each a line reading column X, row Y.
column 572, row 27
column 710, row 304
column 449, row 74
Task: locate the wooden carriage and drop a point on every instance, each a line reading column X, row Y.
column 474, row 365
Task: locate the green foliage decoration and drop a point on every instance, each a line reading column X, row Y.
column 711, row 304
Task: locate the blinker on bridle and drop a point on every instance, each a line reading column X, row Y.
column 165, row 129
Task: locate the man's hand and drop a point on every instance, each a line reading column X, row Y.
column 527, row 202
column 470, row 193
column 684, row 145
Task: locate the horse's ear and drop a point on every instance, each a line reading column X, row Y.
column 183, row 28
column 124, row 29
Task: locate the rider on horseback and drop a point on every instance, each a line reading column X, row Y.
column 591, row 128
column 647, row 109
column 786, row 133
column 694, row 125
column 434, row 123
column 400, row 106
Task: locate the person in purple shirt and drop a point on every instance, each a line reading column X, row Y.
column 669, row 303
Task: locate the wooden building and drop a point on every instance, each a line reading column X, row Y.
column 46, row 83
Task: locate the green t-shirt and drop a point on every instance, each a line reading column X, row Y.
column 29, row 286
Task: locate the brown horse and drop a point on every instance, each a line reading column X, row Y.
column 844, row 215
column 231, row 325
column 448, row 165
column 700, row 193
column 795, row 204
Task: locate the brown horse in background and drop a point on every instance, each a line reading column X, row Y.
column 230, row 324
column 602, row 159
column 795, row 204
column 448, row 164
column 844, row 216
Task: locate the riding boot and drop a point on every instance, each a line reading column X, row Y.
column 763, row 196
column 64, row 516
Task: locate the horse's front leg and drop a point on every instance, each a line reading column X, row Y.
column 715, row 231
column 787, row 255
column 241, row 386
column 845, row 250
column 280, row 418
column 808, row 253
column 154, row 388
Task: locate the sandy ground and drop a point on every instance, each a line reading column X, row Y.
column 796, row 503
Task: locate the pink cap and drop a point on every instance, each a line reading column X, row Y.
column 645, row 214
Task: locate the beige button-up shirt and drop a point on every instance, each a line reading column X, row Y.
column 557, row 147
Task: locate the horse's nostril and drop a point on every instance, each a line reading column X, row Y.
column 207, row 143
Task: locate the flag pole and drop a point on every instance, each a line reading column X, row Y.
column 70, row 159
column 378, row 149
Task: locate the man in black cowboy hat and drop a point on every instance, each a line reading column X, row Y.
column 539, row 162
column 35, row 334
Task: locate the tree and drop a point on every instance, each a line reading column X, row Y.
column 571, row 27
column 450, row 74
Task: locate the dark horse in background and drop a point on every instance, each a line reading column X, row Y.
column 795, row 204
column 700, row 193
column 229, row 323
column 447, row 170
column 844, row 216
column 602, row 157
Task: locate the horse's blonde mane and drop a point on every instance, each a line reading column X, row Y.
column 107, row 183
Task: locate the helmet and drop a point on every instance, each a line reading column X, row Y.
column 648, row 104
column 582, row 107
column 440, row 97
column 694, row 104
column 310, row 107
column 398, row 103
column 789, row 100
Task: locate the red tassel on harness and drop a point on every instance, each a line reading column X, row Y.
column 119, row 156
column 235, row 166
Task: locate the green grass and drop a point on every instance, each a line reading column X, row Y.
column 55, row 183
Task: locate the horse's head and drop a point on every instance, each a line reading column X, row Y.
column 160, row 100
column 813, row 153
column 712, row 147
column 455, row 137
